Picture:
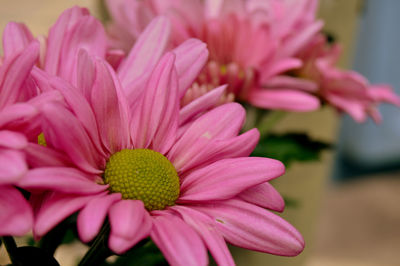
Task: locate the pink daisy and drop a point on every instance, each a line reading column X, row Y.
column 347, row 91
column 246, row 51
column 189, row 187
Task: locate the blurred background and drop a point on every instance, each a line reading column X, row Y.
column 347, row 204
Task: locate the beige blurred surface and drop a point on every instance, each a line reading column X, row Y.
column 351, row 225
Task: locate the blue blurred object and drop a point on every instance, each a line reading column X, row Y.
column 366, row 148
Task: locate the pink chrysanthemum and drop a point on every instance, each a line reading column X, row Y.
column 248, row 49
column 16, row 88
column 177, row 175
column 347, row 91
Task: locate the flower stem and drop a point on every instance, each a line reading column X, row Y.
column 11, row 248
column 99, row 250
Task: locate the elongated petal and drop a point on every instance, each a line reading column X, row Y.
column 41, row 156
column 179, row 243
column 158, row 118
column 91, row 217
column 279, row 67
column 191, row 57
column 16, row 217
column 64, row 132
column 55, row 207
column 205, row 227
column 294, row 45
column 289, row 100
column 56, row 37
column 12, row 166
column 265, row 196
column 15, row 112
column 87, row 34
column 222, row 122
column 60, row 179
column 110, row 109
column 14, row 72
column 288, row 82
column 16, row 37
column 14, row 140
column 201, row 104
column 145, row 54
column 74, row 30
column 251, row 227
column 130, row 223
column 239, row 146
column 226, row 178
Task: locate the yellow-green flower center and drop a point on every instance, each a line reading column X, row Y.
column 145, row 175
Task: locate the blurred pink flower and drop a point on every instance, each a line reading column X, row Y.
column 121, row 146
column 347, row 91
column 247, row 50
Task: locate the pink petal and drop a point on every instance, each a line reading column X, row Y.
column 87, row 34
column 145, row 54
column 278, row 68
column 301, row 39
column 86, row 74
column 91, row 217
column 13, row 140
column 41, row 156
column 56, row 37
column 55, row 207
column 251, row 227
column 14, row 73
column 220, row 123
column 384, row 93
column 16, row 37
column 179, row 243
column 12, row 166
column 16, row 217
column 16, row 112
column 226, row 178
column 60, row 179
column 82, row 110
column 191, row 57
column 212, row 238
column 74, row 30
column 110, row 108
column 288, row 82
column 201, row 104
column 356, row 109
column 265, row 196
column 288, row 100
column 64, row 132
column 157, row 121
column 130, row 223
column 115, row 57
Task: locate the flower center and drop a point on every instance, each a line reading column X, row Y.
column 145, row 175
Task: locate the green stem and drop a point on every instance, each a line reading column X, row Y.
column 269, row 120
column 11, row 248
column 99, row 250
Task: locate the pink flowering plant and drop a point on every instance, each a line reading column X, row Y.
column 133, row 136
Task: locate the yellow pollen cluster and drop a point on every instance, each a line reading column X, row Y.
column 42, row 140
column 145, row 175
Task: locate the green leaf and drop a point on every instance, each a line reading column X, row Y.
column 290, row 147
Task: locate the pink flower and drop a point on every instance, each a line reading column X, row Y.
column 73, row 31
column 121, row 147
column 246, row 50
column 16, row 87
column 347, row 91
